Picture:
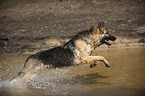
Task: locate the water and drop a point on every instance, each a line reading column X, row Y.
column 125, row 78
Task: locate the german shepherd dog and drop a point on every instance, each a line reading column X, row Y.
column 76, row 51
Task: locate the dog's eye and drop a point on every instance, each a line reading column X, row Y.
column 106, row 32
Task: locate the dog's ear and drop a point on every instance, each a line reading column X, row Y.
column 101, row 24
column 95, row 29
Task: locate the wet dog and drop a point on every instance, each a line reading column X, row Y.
column 76, row 51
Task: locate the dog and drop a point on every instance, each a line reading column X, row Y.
column 76, row 51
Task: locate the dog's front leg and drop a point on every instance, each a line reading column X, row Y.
column 92, row 59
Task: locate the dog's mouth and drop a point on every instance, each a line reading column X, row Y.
column 106, row 40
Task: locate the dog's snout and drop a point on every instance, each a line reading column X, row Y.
column 112, row 38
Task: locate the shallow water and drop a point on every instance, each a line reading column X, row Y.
column 125, row 78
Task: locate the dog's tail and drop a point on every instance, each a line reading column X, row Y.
column 20, row 72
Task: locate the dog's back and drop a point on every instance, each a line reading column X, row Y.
column 53, row 57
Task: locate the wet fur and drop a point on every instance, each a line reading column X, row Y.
column 76, row 51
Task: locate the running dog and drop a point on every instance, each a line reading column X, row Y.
column 76, row 51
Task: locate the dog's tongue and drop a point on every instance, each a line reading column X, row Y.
column 107, row 42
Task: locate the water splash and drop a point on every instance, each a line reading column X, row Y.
column 13, row 88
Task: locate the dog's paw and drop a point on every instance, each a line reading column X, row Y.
column 93, row 65
column 107, row 65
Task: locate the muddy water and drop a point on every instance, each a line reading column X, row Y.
column 125, row 78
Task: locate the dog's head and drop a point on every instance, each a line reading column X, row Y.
column 101, row 34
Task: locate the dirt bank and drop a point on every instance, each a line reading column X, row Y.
column 33, row 25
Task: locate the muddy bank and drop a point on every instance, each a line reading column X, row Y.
column 29, row 26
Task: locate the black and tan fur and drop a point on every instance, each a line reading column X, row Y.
column 76, row 51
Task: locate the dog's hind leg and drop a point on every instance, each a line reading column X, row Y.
column 92, row 59
column 33, row 68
